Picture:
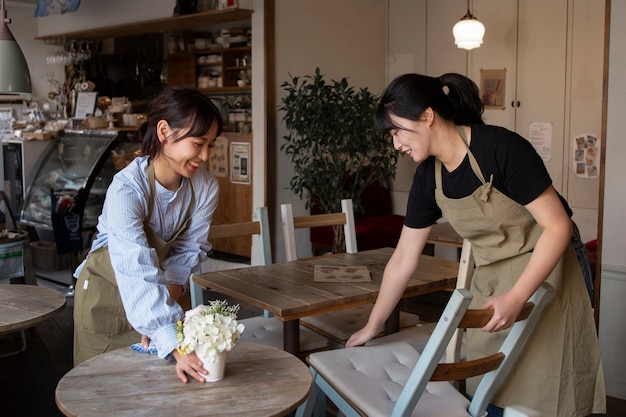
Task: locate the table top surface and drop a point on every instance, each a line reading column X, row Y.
column 289, row 292
column 24, row 306
column 444, row 234
column 259, row 381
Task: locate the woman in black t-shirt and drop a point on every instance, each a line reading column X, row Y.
column 493, row 188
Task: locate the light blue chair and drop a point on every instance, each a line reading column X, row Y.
column 393, row 379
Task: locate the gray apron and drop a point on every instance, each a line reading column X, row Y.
column 100, row 322
column 559, row 373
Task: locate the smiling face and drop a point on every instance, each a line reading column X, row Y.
column 181, row 157
column 412, row 137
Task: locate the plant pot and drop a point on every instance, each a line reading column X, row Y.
column 216, row 368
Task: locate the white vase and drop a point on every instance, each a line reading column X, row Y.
column 216, row 369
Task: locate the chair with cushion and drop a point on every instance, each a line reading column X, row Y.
column 263, row 329
column 418, row 336
column 395, row 380
column 338, row 325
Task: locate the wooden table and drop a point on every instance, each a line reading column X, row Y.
column 260, row 381
column 24, row 306
column 289, row 292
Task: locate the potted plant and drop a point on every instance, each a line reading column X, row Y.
column 333, row 144
column 210, row 331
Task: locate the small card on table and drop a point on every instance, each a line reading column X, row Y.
column 326, row 273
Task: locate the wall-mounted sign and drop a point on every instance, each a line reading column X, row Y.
column 240, row 162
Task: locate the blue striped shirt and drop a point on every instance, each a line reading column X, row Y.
column 142, row 284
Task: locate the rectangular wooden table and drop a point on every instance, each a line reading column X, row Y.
column 289, row 292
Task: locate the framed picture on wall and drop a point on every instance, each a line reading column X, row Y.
column 493, row 88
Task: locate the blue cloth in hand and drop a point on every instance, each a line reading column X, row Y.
column 151, row 350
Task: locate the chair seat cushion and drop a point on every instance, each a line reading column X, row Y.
column 269, row 331
column 416, row 336
column 341, row 324
column 374, row 386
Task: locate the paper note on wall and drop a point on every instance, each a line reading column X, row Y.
column 540, row 136
column 218, row 161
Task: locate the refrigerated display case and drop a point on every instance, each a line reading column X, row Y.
column 80, row 159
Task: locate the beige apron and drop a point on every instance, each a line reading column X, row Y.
column 100, row 322
column 559, row 372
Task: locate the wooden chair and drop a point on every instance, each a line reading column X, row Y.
column 336, row 326
column 395, row 380
column 263, row 329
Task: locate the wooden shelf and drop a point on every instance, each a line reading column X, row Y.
column 177, row 23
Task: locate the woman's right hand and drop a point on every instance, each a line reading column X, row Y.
column 190, row 365
column 361, row 337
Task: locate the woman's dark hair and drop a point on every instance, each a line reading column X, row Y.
column 183, row 108
column 453, row 96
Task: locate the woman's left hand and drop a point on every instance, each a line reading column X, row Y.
column 506, row 308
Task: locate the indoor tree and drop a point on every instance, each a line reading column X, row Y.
column 333, row 144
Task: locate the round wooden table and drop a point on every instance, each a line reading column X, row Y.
column 24, row 306
column 260, row 381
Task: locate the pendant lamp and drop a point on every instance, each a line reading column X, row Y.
column 468, row 32
column 14, row 74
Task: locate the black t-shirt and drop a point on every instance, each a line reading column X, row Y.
column 518, row 172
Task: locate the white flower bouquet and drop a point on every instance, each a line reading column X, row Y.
column 209, row 330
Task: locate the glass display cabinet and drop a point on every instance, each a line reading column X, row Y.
column 80, row 159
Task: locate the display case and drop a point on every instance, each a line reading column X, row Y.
column 80, row 159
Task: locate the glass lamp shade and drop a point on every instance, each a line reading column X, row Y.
column 14, row 74
column 468, row 32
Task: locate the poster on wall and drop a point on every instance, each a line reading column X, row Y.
column 586, row 156
column 218, row 161
column 493, row 88
column 240, row 162
column 540, row 136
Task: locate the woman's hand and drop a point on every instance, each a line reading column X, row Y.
column 145, row 341
column 506, row 308
column 361, row 337
column 190, row 365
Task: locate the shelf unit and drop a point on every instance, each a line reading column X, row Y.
column 166, row 24
column 183, row 68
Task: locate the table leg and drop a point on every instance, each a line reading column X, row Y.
column 392, row 325
column 291, row 336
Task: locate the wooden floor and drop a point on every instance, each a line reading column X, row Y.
column 28, row 380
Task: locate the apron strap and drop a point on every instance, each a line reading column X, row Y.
column 151, row 179
column 473, row 163
column 472, row 160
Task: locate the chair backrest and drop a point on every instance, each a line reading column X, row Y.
column 291, row 223
column 258, row 227
column 493, row 367
column 466, row 268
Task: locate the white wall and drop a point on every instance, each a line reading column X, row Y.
column 613, row 286
column 344, row 39
column 24, row 28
